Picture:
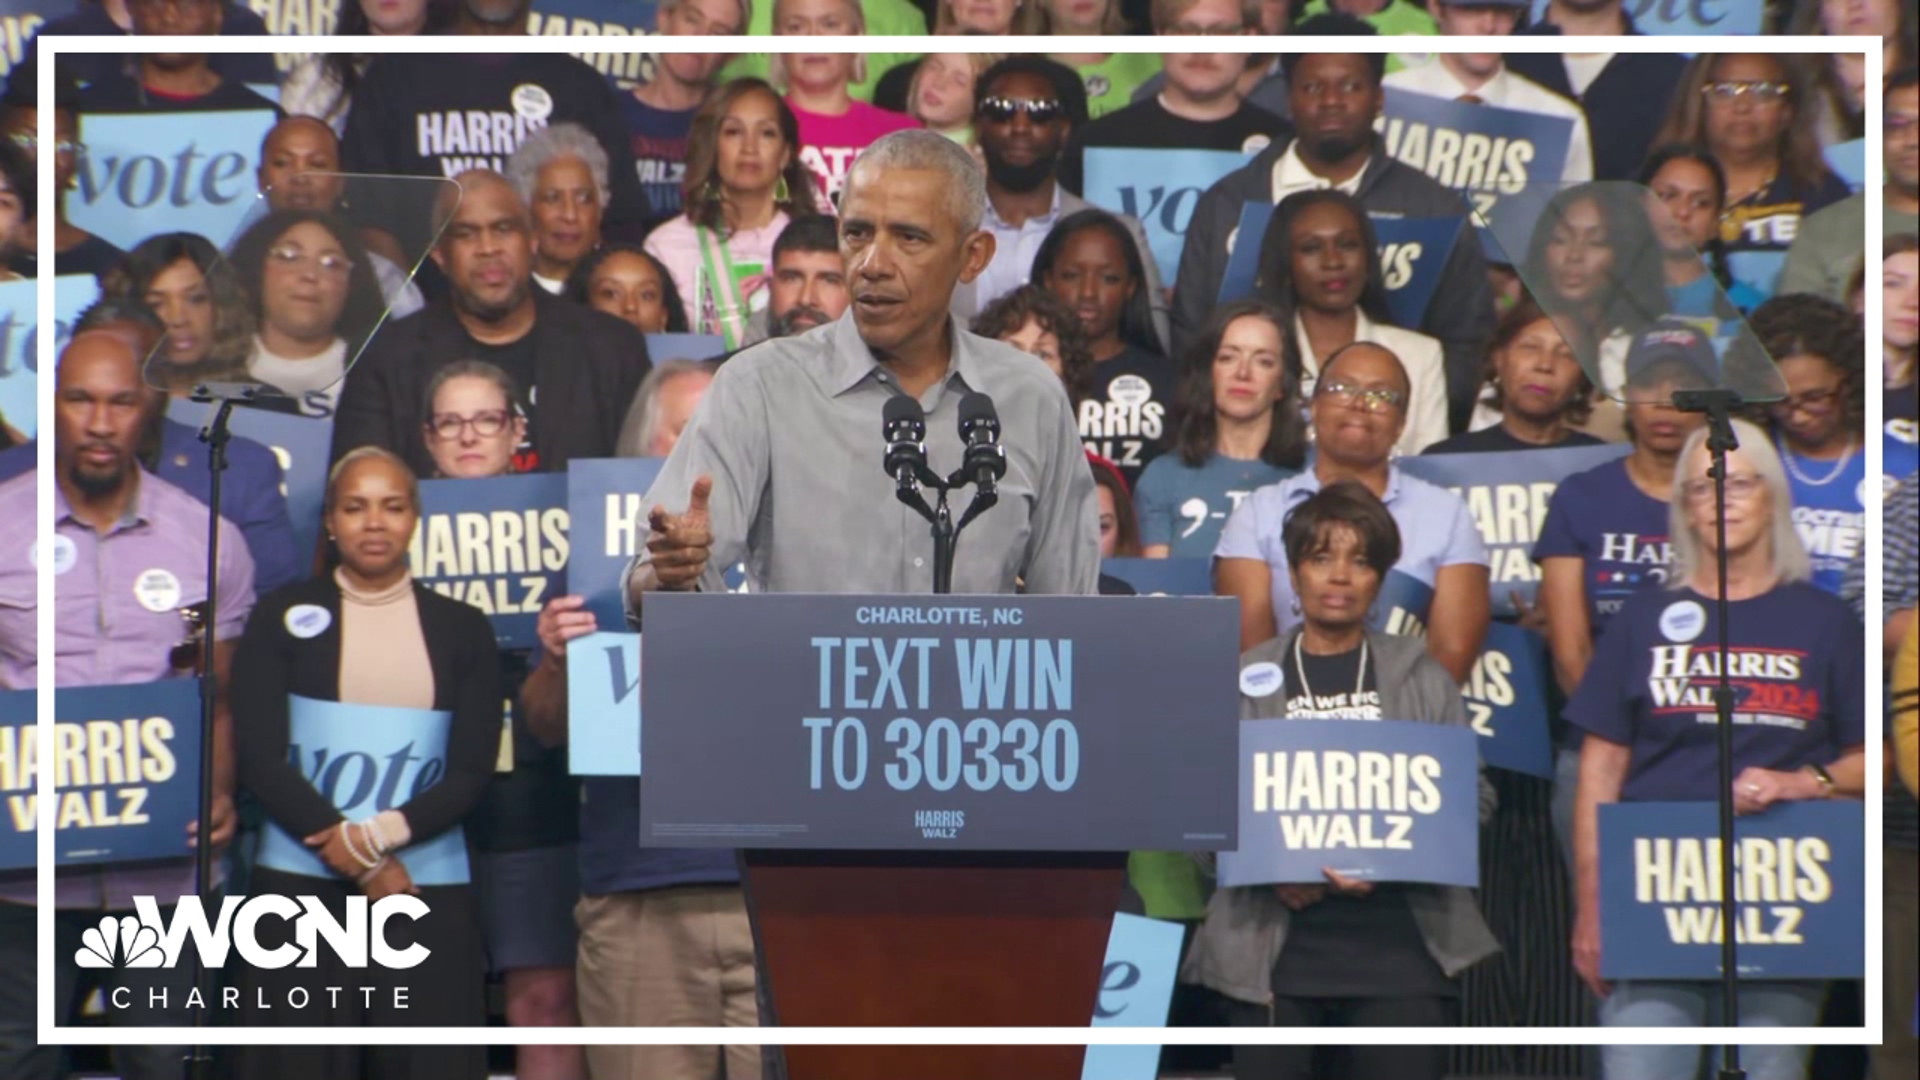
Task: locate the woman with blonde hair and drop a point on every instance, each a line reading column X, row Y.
column 1651, row 738
column 991, row 18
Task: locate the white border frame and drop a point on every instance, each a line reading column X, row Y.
column 52, row 1033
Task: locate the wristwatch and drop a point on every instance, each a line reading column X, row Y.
column 1825, row 778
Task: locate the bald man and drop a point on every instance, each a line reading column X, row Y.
column 577, row 369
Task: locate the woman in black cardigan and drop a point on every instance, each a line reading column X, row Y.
column 368, row 636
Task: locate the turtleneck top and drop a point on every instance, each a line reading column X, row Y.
column 383, row 651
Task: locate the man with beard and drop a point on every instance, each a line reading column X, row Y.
column 577, row 369
column 1826, row 251
column 1334, row 100
column 130, row 553
column 809, row 283
column 1024, row 108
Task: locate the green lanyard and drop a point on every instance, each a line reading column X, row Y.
column 732, row 307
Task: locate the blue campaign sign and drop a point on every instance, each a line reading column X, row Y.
column 159, row 172
column 1505, row 163
column 302, row 445
column 1164, row 577
column 1413, row 255
column 600, row 18
column 499, row 544
column 1676, row 17
column 1848, row 160
column 1508, row 495
column 1136, row 989
column 364, row 759
column 1158, row 188
column 1506, row 697
column 127, row 772
column 1402, row 605
column 1380, row 800
column 986, row 723
column 662, row 347
column 603, row 705
column 20, row 340
column 604, row 497
column 1800, row 888
column 20, row 20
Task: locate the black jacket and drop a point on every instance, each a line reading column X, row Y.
column 588, row 367
column 271, row 663
column 1461, row 313
column 1625, row 105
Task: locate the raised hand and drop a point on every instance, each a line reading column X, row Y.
column 680, row 544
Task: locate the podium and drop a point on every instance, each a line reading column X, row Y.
column 935, row 796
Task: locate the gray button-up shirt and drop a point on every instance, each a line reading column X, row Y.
column 790, row 432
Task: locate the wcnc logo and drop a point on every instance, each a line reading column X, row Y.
column 146, row 940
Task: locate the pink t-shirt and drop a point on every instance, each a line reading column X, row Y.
column 828, row 144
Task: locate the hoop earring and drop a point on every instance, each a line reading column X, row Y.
column 1294, row 603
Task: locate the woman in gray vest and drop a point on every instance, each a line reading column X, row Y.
column 1346, row 953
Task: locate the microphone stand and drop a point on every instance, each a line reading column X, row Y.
column 946, row 533
column 1718, row 406
column 223, row 396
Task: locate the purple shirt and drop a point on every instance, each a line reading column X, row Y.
column 118, row 595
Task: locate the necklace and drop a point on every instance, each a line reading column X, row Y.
column 1793, row 465
column 1300, row 670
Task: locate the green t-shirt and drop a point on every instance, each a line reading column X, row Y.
column 1398, row 19
column 1111, row 82
column 885, row 18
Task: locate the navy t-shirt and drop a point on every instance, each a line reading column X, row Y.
column 611, row 858
column 1798, row 660
column 1829, row 511
column 659, row 152
column 1601, row 516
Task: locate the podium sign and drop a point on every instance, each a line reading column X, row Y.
column 1800, row 888
column 986, row 723
column 1379, row 800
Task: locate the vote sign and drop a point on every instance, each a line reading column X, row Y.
column 1413, row 254
column 20, row 340
column 1378, row 800
column 126, row 772
column 159, row 172
column 1508, row 493
column 302, row 445
column 1687, row 16
column 1800, row 887
column 603, row 704
column 1136, row 989
column 498, row 544
column 1015, row 723
column 365, row 759
column 1159, row 189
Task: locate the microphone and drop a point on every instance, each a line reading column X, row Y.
column 986, row 459
column 903, row 424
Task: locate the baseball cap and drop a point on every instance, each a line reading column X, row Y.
column 1672, row 348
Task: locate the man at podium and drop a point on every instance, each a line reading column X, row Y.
column 781, row 466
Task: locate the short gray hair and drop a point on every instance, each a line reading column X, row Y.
column 1690, row 556
column 643, row 418
column 551, row 144
column 918, row 148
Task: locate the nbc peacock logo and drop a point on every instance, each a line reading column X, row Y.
column 125, row 942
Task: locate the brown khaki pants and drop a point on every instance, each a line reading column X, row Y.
column 677, row 957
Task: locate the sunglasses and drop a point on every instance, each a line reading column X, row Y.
column 1764, row 92
column 999, row 110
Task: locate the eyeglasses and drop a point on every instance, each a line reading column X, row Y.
column 999, row 110
column 330, row 263
column 1818, row 402
column 1371, row 399
column 186, row 655
column 31, row 143
column 1764, row 92
column 448, row 426
column 1740, row 486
